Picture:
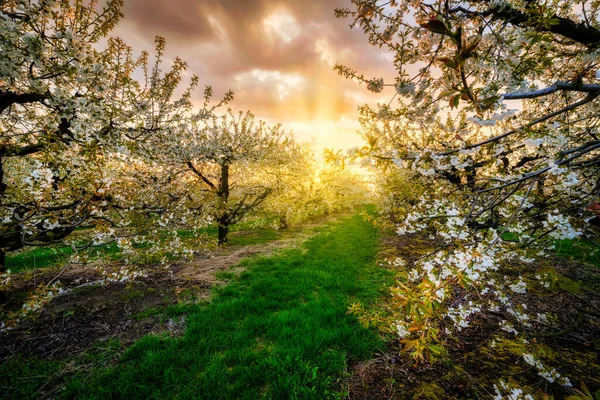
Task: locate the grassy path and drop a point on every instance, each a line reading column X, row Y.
column 279, row 330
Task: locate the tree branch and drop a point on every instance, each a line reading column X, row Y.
column 12, row 151
column 590, row 97
column 576, row 31
column 560, row 85
column 543, row 170
column 200, row 175
column 7, row 99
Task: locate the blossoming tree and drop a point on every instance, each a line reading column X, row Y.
column 295, row 201
column 497, row 114
column 227, row 165
column 72, row 121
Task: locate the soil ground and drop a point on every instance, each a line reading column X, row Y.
column 472, row 365
column 90, row 313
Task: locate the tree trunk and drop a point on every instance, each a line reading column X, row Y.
column 223, row 193
column 223, row 231
column 283, row 222
column 3, row 295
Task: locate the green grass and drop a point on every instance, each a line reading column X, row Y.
column 44, row 257
column 241, row 234
column 33, row 378
column 22, row 378
column 578, row 249
column 41, row 257
column 279, row 330
column 254, row 236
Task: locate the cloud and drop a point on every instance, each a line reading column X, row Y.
column 277, row 56
column 274, row 82
column 181, row 19
column 283, row 26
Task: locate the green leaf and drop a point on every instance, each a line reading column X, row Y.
column 554, row 21
column 447, row 93
column 454, row 100
column 435, row 350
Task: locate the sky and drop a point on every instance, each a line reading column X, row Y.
column 276, row 55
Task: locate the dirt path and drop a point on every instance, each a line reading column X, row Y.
column 204, row 268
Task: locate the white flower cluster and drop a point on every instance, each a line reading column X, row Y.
column 518, row 287
column 413, row 275
column 411, row 224
column 555, row 169
column 39, row 181
column 526, row 260
column 505, row 391
column 550, row 375
column 561, row 226
column 452, row 223
column 544, row 279
column 124, row 274
column 518, row 201
column 5, row 278
column 397, row 262
column 533, row 143
column 375, row 85
column 508, row 327
column 36, row 302
column 572, row 179
column 543, row 318
column 460, row 315
column 401, row 330
column 494, row 118
column 405, row 88
column 103, row 237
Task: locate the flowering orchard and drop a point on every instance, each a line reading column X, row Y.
column 99, row 146
column 72, row 117
column 309, row 188
column 495, row 110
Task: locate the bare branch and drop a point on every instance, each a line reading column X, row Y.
column 560, row 85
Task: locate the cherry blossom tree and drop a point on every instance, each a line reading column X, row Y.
column 295, row 199
column 228, row 165
column 343, row 184
column 74, row 123
column 51, row 84
column 496, row 113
